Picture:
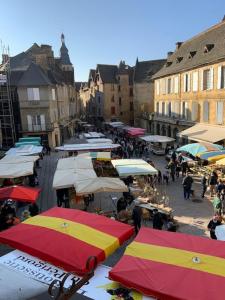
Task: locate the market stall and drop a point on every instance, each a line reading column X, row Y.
column 24, row 150
column 199, row 148
column 20, row 193
column 100, row 140
column 158, row 143
column 156, row 260
column 87, row 147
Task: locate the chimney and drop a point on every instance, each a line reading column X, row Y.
column 169, row 54
column 223, row 18
column 178, row 44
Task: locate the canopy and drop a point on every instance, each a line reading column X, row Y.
column 100, row 184
column 64, row 237
column 213, row 156
column 99, row 140
column 87, row 147
column 157, row 139
column 170, row 265
column 221, row 162
column 20, row 193
column 126, row 167
column 17, row 166
column 24, row 150
column 75, row 163
column 204, row 133
column 34, row 143
column 97, row 155
column 93, row 135
column 199, row 148
column 30, row 139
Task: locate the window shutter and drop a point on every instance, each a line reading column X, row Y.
column 201, row 80
column 43, row 127
column 166, row 109
column 211, row 78
column 36, row 94
column 29, row 122
column 172, row 85
column 205, row 111
column 219, row 74
column 176, row 80
column 194, row 113
column 195, row 82
column 189, row 82
column 30, row 94
column 186, row 110
column 53, row 94
column 184, row 89
column 219, row 112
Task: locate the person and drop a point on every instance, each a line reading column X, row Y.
column 187, row 184
column 184, row 167
column 33, row 209
column 157, row 219
column 25, row 215
column 11, row 220
column 204, row 185
column 174, row 156
column 172, row 167
column 136, row 216
column 178, row 169
column 159, row 176
column 166, row 177
column 212, row 226
column 121, row 204
column 213, row 182
column 171, row 226
column 220, row 187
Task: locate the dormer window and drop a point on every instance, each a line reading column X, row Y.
column 179, row 59
column 208, row 48
column 192, row 54
column 168, row 63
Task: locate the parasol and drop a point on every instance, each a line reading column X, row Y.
column 199, row 148
column 170, row 265
column 67, row 237
column 20, row 193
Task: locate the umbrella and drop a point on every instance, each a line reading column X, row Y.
column 213, row 156
column 198, row 148
column 170, row 265
column 67, row 237
column 221, row 162
column 20, row 193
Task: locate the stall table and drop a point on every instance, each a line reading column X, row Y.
column 150, row 206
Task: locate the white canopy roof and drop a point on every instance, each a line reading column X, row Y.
column 100, row 184
column 157, row 139
column 126, row 167
column 87, row 147
column 98, row 155
column 17, row 166
column 24, row 150
column 116, row 124
column 204, row 133
column 75, row 163
column 99, row 140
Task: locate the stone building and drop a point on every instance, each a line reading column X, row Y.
column 46, row 93
column 109, row 93
column 143, row 87
column 190, row 89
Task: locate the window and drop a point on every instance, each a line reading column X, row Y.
column 33, row 94
column 163, row 108
column 207, row 79
column 113, row 111
column 157, row 108
column 219, row 112
column 131, row 106
column 169, row 109
column 169, row 85
column 205, row 111
column 208, row 48
column 121, row 113
column 99, row 99
column 176, row 109
column 99, row 111
column 53, row 94
column 195, row 82
column 184, row 112
column 131, row 91
column 187, row 82
column 112, row 99
column 163, row 86
column 119, row 88
column 221, row 77
column 176, row 84
column 36, row 123
column 157, row 87
column 120, row 101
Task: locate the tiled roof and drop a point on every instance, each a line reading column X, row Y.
column 107, row 73
column 204, row 48
column 144, row 70
column 34, row 76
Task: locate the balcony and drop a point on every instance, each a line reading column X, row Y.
column 37, row 128
column 34, row 103
column 174, row 119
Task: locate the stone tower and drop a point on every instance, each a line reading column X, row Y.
column 65, row 63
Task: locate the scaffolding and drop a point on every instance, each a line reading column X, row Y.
column 7, row 125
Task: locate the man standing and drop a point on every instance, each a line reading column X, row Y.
column 212, row 226
column 187, row 184
column 204, row 185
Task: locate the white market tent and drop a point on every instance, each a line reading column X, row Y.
column 75, row 163
column 24, row 150
column 97, row 155
column 99, row 140
column 126, row 167
column 157, row 139
column 116, row 124
column 87, row 147
column 17, row 166
column 93, row 135
column 100, row 184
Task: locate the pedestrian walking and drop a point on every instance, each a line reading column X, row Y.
column 203, row 185
column 187, row 184
column 212, row 183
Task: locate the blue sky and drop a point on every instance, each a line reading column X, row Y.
column 103, row 31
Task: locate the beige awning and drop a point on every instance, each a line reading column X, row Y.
column 204, row 133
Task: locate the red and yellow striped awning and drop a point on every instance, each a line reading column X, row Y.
column 67, row 237
column 170, row 266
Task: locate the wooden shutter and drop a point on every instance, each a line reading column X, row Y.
column 189, row 82
column 36, row 94
column 184, row 80
column 201, row 80
column 219, row 112
column 219, row 74
column 211, row 78
column 29, row 122
column 43, row 126
column 205, row 111
column 195, row 82
column 30, row 94
column 194, row 112
column 53, row 94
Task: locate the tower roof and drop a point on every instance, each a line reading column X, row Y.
column 64, row 56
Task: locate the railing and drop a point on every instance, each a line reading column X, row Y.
column 37, row 127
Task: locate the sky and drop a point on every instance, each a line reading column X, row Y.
column 103, row 31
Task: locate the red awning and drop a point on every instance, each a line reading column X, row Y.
column 67, row 237
column 19, row 193
column 169, row 265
